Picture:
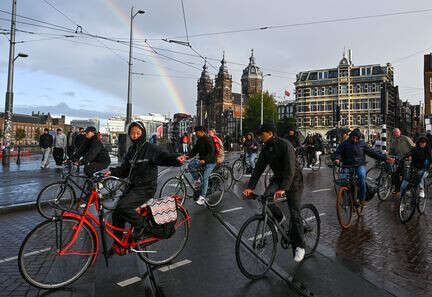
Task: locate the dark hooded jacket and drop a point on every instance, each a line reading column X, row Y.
column 251, row 145
column 421, row 157
column 93, row 151
column 353, row 154
column 141, row 162
column 294, row 139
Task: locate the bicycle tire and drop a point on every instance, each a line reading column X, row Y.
column 54, row 207
column 163, row 245
column 238, row 169
column 342, row 199
column 407, row 200
column 178, row 187
column 247, row 242
column 41, row 249
column 312, row 232
column 216, row 190
column 226, row 173
column 421, row 204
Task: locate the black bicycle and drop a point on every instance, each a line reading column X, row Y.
column 225, row 171
column 240, row 167
column 183, row 185
column 381, row 176
column 61, row 195
column 256, row 243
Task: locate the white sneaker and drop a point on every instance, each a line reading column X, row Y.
column 200, row 201
column 299, row 254
column 421, row 193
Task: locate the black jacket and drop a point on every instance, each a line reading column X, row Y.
column 353, row 154
column 280, row 155
column 294, row 140
column 92, row 151
column 250, row 144
column 79, row 141
column 141, row 162
column 46, row 141
column 204, row 147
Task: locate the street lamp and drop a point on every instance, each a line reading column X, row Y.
column 129, row 95
column 262, row 99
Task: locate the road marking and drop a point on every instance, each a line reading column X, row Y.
column 230, row 210
column 25, row 255
column 311, row 218
column 259, row 236
column 162, row 171
column 130, row 281
column 321, row 190
column 175, row 265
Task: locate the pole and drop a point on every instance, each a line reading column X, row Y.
column 241, row 114
column 262, row 107
column 368, row 109
column 9, row 92
column 129, row 94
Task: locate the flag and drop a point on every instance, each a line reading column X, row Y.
column 287, row 93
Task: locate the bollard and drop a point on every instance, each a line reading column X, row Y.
column 384, row 138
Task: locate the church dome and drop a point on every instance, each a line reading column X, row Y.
column 252, row 70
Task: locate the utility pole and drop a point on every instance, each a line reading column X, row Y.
column 241, row 114
column 9, row 92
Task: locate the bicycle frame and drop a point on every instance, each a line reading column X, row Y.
column 105, row 227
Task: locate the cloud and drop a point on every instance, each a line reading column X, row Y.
column 69, row 93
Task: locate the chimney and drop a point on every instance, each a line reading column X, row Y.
column 350, row 56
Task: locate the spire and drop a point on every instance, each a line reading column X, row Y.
column 223, row 68
column 252, row 58
column 223, row 58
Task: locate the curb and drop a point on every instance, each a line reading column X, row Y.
column 17, row 207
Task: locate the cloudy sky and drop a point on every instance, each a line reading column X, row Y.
column 90, row 74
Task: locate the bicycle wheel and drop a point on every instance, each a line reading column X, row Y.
column 38, row 259
column 256, row 247
column 113, row 188
column 312, row 227
column 165, row 250
column 267, row 177
column 174, row 186
column 55, row 198
column 344, row 207
column 384, row 186
column 227, row 175
column 238, row 169
column 373, row 176
column 215, row 190
column 407, row 205
column 301, row 161
column 421, row 204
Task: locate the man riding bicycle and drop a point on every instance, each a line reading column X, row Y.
column 287, row 181
column 293, row 138
column 94, row 155
column 140, row 165
column 251, row 146
column 352, row 153
column 310, row 150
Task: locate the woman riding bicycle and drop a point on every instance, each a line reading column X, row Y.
column 140, row 166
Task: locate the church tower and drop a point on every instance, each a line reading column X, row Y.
column 204, row 96
column 252, row 78
column 222, row 95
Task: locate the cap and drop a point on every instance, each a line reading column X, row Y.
column 90, row 129
column 267, row 127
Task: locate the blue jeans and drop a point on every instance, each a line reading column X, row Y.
column 251, row 157
column 418, row 180
column 361, row 175
column 208, row 169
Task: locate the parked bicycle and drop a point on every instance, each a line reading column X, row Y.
column 61, row 195
column 184, row 185
column 58, row 251
column 380, row 176
column 256, row 243
column 240, row 167
column 225, row 171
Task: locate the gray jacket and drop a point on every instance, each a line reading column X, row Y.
column 60, row 141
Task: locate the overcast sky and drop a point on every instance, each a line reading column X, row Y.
column 84, row 74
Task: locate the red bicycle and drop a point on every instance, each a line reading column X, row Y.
column 58, row 251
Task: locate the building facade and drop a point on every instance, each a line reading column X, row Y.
column 86, row 123
column 353, row 92
column 33, row 126
column 217, row 106
column 286, row 109
column 428, row 84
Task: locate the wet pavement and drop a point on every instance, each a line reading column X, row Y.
column 377, row 256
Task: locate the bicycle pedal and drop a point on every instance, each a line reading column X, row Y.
column 143, row 252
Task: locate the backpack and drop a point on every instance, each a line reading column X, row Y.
column 219, row 149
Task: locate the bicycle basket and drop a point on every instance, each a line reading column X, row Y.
column 164, row 210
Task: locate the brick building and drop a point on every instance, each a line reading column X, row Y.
column 428, row 84
column 33, row 125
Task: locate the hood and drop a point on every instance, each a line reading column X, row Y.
column 140, row 125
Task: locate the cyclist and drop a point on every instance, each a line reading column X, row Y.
column 251, row 146
column 352, row 153
column 140, row 165
column 218, row 144
column 309, row 144
column 319, row 146
column 94, row 155
column 293, row 138
column 420, row 157
column 400, row 145
column 287, row 181
column 207, row 158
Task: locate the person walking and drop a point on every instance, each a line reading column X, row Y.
column 46, row 143
column 60, row 144
column 79, row 139
column 185, row 143
column 70, row 142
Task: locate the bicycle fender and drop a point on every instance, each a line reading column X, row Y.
column 92, row 228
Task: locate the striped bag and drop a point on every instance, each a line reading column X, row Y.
column 163, row 210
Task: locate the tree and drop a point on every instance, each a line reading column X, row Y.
column 20, row 134
column 252, row 119
column 37, row 134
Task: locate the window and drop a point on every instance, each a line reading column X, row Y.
column 430, row 83
column 364, row 120
column 306, row 92
column 329, row 105
column 369, row 88
column 312, row 122
column 343, row 89
column 313, row 76
column 313, row 106
column 344, row 121
column 314, row 91
column 365, row 87
column 321, row 121
column 323, row 91
column 358, row 88
column 320, row 75
column 364, row 104
column 321, row 106
column 374, row 88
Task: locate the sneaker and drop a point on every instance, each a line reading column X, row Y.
column 299, row 254
column 200, row 201
column 421, row 193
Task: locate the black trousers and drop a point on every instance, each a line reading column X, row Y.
column 126, row 209
column 91, row 168
column 397, row 176
column 294, row 203
column 58, row 154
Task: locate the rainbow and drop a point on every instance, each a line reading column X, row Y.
column 174, row 94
